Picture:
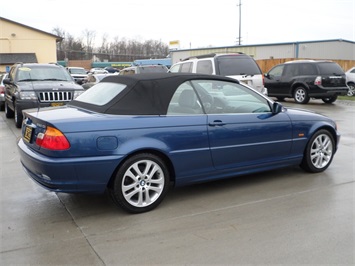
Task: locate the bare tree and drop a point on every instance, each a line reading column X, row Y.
column 103, row 52
column 89, row 37
column 119, row 50
column 60, row 45
column 69, row 47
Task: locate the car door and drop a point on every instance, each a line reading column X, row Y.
column 190, row 152
column 10, row 88
column 242, row 130
column 291, row 72
column 273, row 80
column 205, row 67
column 181, row 68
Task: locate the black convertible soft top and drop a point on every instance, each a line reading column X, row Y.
column 145, row 94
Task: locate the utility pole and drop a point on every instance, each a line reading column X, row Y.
column 240, row 21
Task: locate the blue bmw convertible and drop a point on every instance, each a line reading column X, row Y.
column 136, row 136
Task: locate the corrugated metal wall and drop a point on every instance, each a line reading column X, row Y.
column 330, row 50
column 275, row 52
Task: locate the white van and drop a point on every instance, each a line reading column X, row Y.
column 237, row 65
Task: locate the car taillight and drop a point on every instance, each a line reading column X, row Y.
column 318, row 81
column 52, row 139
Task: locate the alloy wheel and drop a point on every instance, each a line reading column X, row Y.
column 321, row 151
column 142, row 183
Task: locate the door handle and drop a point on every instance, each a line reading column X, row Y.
column 216, row 123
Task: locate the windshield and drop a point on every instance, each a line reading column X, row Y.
column 237, row 65
column 43, row 73
column 101, row 93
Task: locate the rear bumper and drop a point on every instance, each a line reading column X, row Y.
column 70, row 175
column 322, row 92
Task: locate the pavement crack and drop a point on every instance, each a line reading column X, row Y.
column 81, row 231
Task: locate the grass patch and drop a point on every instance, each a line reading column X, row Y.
column 348, row 98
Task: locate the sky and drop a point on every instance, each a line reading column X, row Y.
column 194, row 23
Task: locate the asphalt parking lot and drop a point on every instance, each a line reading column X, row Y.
column 279, row 217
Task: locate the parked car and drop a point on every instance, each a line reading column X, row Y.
column 144, row 69
column 79, row 74
column 2, row 91
column 134, row 135
column 305, row 79
column 35, row 86
column 111, row 70
column 98, row 70
column 238, row 66
column 350, row 81
column 93, row 79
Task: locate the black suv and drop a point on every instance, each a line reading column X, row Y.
column 35, row 86
column 305, row 79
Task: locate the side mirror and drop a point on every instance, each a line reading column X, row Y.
column 7, row 81
column 266, row 75
column 276, row 108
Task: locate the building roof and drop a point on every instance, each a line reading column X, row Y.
column 58, row 38
column 265, row 44
column 12, row 58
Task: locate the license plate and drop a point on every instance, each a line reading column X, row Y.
column 57, row 104
column 28, row 134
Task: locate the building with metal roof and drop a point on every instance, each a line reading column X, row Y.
column 337, row 49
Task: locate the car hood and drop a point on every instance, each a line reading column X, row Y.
column 297, row 114
column 79, row 75
column 49, row 85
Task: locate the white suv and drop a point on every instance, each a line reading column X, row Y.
column 350, row 81
column 238, row 66
column 143, row 69
column 78, row 73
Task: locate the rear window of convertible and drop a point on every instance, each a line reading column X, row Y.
column 101, row 93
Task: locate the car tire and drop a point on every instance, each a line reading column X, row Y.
column 8, row 112
column 301, row 95
column 280, row 99
column 330, row 99
column 319, row 152
column 351, row 91
column 18, row 117
column 140, row 183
